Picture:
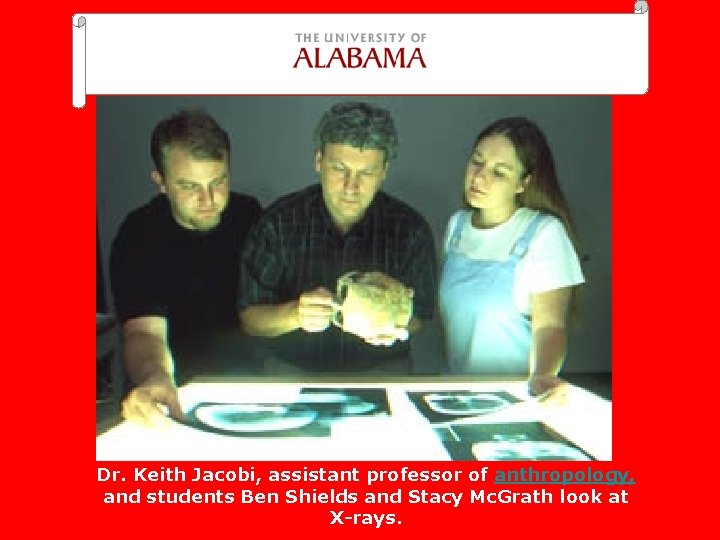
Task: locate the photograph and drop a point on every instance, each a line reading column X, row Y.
column 388, row 239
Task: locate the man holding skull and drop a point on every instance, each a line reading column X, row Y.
column 340, row 273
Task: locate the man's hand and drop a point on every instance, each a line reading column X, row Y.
column 387, row 336
column 315, row 310
column 146, row 403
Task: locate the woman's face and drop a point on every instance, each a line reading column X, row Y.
column 494, row 176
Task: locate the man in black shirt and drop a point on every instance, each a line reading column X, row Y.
column 307, row 240
column 174, row 264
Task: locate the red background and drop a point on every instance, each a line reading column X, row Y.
column 663, row 186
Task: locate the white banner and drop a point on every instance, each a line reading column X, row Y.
column 410, row 54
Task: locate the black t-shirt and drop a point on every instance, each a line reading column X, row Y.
column 189, row 277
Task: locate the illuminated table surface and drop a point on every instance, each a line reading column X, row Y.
column 402, row 433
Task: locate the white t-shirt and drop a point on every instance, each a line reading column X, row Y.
column 550, row 262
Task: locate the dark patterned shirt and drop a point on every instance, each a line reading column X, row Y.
column 296, row 247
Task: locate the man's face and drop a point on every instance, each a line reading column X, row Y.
column 350, row 177
column 196, row 188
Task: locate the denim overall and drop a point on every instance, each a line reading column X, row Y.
column 485, row 332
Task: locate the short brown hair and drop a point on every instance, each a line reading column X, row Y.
column 194, row 130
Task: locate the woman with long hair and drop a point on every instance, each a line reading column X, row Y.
column 511, row 272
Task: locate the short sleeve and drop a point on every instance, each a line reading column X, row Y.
column 261, row 267
column 135, row 294
column 551, row 263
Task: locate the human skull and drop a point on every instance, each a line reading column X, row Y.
column 371, row 303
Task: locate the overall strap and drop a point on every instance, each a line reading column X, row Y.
column 521, row 246
column 458, row 228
